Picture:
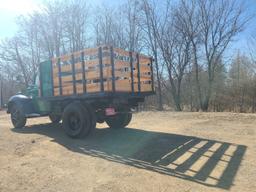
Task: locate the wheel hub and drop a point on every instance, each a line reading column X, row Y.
column 74, row 122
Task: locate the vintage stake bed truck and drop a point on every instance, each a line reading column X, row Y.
column 93, row 85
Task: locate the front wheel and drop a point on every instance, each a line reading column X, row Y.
column 119, row 120
column 18, row 116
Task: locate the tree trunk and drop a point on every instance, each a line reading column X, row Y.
column 1, row 90
column 197, row 75
column 205, row 105
column 22, row 67
column 177, row 103
column 175, row 94
column 160, row 100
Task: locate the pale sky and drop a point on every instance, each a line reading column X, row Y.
column 11, row 9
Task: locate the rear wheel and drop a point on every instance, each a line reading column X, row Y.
column 128, row 119
column 55, row 118
column 76, row 120
column 92, row 116
column 119, row 120
column 18, row 116
column 100, row 116
column 100, row 120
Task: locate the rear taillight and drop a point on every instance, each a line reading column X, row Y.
column 110, row 111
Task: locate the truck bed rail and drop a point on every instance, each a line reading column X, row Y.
column 97, row 70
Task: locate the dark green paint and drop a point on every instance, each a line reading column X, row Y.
column 46, row 79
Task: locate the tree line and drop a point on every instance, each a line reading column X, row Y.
column 188, row 40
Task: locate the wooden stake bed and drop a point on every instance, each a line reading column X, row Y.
column 98, row 70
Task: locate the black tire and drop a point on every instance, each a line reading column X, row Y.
column 100, row 121
column 119, row 120
column 92, row 117
column 55, row 118
column 76, row 120
column 18, row 116
column 100, row 116
column 128, row 119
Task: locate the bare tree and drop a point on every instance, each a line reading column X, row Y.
column 242, row 83
column 131, row 9
column 252, row 47
column 175, row 47
column 220, row 22
column 188, row 22
column 150, row 22
column 75, row 27
column 11, row 53
column 104, row 26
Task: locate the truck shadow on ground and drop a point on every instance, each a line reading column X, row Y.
column 208, row 162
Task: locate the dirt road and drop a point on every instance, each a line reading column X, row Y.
column 158, row 152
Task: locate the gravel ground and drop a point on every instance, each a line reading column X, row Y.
column 159, row 151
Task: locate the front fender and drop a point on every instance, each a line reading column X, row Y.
column 21, row 100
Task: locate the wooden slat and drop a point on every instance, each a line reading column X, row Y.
column 79, row 76
column 77, row 54
column 79, row 88
column 144, row 59
column 122, row 74
column 91, row 63
column 142, row 79
column 66, row 78
column 106, row 60
column 143, row 75
column 67, row 68
column 56, row 92
column 123, row 85
column 93, row 75
column 94, row 87
column 90, row 51
column 136, row 89
column 90, row 75
column 64, row 68
column 55, row 70
column 67, row 84
column 146, row 87
column 108, row 86
column 121, row 64
column 121, row 52
column 68, row 91
column 65, row 57
column 55, row 82
column 144, row 69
